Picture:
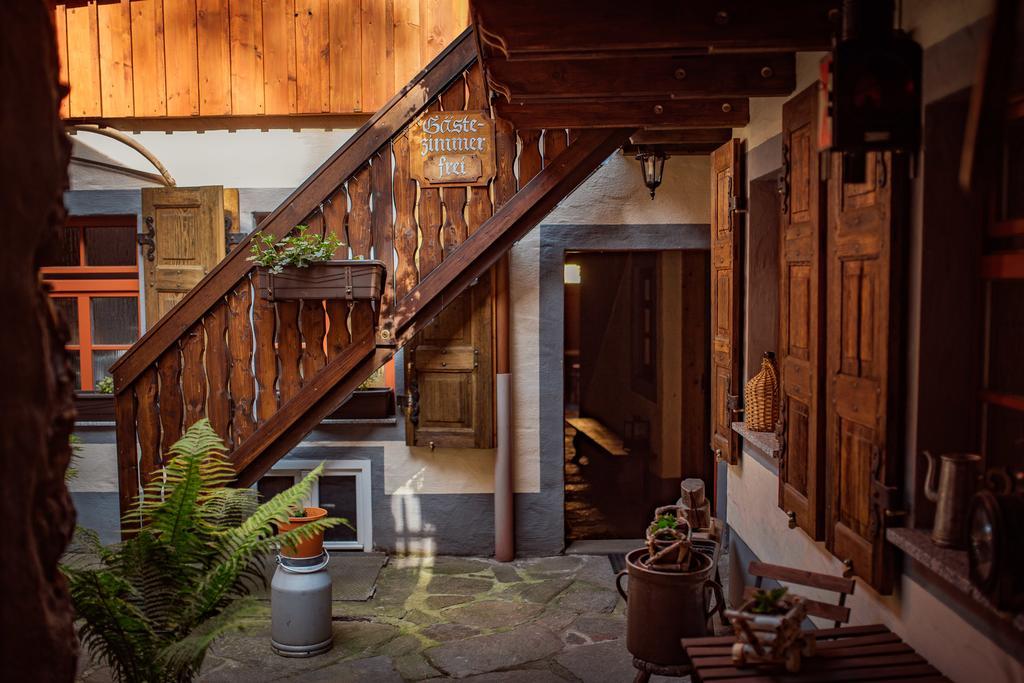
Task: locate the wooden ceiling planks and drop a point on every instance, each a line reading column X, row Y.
column 183, row 58
column 678, row 141
column 621, row 78
column 602, row 28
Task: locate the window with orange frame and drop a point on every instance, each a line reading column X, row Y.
column 93, row 273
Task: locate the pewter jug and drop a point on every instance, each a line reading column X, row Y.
column 952, row 496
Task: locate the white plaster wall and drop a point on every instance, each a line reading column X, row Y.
column 919, row 617
column 244, row 158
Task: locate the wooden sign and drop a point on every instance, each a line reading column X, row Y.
column 452, row 148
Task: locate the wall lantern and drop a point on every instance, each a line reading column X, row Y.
column 652, row 165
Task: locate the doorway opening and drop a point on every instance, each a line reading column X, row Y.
column 636, row 366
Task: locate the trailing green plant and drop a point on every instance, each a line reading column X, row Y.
column 151, row 606
column 299, row 248
column 769, row 601
column 105, row 385
column 76, row 452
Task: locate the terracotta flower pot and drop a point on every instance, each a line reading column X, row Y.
column 311, row 547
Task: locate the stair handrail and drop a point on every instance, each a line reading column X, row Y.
column 388, row 121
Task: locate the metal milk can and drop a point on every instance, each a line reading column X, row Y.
column 952, row 496
column 300, row 607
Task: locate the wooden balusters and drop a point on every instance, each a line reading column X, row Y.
column 264, row 322
column 146, row 391
column 360, row 235
column 241, row 381
column 478, row 206
column 380, row 223
column 454, row 230
column 406, row 230
column 336, row 216
column 555, row 142
column 127, row 455
column 218, row 405
column 335, row 211
column 289, row 348
column 530, row 161
column 430, row 226
column 313, row 325
column 172, row 409
column 505, row 152
column 193, row 377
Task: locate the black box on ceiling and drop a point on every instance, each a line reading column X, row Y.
column 876, row 94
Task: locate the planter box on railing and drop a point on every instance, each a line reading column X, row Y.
column 354, row 280
column 367, row 404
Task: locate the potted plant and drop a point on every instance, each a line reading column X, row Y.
column 300, row 266
column 309, row 546
column 668, row 538
column 97, row 405
column 767, row 628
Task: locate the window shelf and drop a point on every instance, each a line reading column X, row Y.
column 766, row 442
column 951, row 566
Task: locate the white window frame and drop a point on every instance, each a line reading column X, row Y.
column 360, row 469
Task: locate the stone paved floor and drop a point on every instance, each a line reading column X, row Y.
column 537, row 620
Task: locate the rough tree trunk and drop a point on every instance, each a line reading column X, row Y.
column 37, row 640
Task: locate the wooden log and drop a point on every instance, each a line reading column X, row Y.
column 289, row 343
column 264, row 321
column 218, row 407
column 241, row 380
column 193, row 375
column 406, row 229
column 148, row 416
column 172, row 409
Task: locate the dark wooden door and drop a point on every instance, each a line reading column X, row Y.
column 725, row 300
column 187, row 224
column 801, row 426
column 863, row 446
column 449, row 376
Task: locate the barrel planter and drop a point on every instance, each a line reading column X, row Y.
column 662, row 607
column 350, row 280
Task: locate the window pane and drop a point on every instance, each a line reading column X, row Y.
column 68, row 307
column 110, row 246
column 115, row 319
column 76, row 368
column 101, row 362
column 273, row 484
column 64, row 249
column 1006, row 372
column 338, row 497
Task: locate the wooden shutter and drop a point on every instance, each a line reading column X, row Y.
column 725, row 301
column 449, row 376
column 187, row 227
column 863, row 446
column 801, row 426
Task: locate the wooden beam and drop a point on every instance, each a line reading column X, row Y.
column 540, row 29
column 674, row 136
column 629, row 78
column 713, row 113
column 397, row 113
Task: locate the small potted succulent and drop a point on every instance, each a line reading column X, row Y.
column 300, row 265
column 668, row 539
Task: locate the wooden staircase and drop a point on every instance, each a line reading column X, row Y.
column 266, row 374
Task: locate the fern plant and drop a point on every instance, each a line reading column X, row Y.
column 150, row 606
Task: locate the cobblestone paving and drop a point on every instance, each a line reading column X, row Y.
column 534, row 620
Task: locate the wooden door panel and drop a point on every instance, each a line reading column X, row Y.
column 801, row 338
column 725, row 303
column 188, row 233
column 863, row 337
column 449, row 376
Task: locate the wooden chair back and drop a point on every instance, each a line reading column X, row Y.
column 839, row 613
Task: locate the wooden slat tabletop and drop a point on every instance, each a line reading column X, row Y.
column 852, row 653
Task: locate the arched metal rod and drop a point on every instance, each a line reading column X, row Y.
column 115, row 134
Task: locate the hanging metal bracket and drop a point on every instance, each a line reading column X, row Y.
column 148, row 239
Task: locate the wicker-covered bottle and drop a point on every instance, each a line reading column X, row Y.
column 761, row 397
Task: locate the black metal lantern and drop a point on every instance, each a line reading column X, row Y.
column 652, row 165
